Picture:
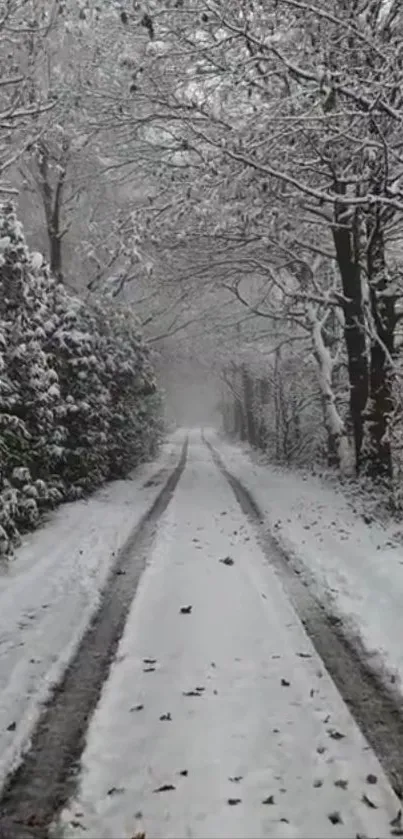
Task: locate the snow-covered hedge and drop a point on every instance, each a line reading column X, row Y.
column 78, row 401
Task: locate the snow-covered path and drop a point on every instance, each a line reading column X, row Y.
column 221, row 721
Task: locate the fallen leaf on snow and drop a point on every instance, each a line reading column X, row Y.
column 397, row 821
column 368, row 802
column 227, row 561
column 115, row 790
column 334, row 620
column 335, row 735
column 341, row 784
column 335, row 818
column 165, row 788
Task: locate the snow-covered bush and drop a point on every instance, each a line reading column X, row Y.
column 84, row 408
column 135, row 425
column 78, row 402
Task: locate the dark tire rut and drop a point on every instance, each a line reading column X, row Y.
column 34, row 795
column 377, row 709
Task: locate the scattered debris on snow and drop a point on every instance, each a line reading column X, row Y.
column 245, row 729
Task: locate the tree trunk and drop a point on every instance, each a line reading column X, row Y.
column 380, row 406
column 227, row 403
column 339, row 453
column 54, row 231
column 243, row 432
column 52, row 198
column 239, row 414
column 247, row 382
column 354, row 328
column 263, row 399
column 55, row 253
column 277, row 405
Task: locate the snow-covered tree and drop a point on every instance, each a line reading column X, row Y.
column 276, row 128
column 25, row 99
column 78, row 402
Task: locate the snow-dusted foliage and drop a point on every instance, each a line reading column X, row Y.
column 275, row 409
column 78, row 401
column 134, row 428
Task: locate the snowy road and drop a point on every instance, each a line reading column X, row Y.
column 51, row 589
column 221, row 721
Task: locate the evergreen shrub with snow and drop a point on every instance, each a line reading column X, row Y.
column 78, row 401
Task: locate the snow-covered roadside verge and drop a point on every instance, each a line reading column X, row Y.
column 355, row 568
column 51, row 588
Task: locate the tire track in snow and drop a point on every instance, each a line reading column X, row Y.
column 377, row 711
column 40, row 787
